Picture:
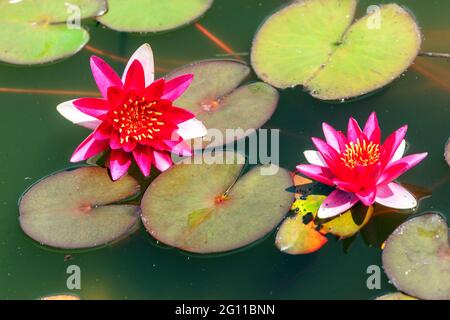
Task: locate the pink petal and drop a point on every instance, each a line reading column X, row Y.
column 397, row 168
column 91, row 106
column 347, row 186
column 162, row 160
column 395, row 196
column 336, row 203
column 367, row 197
column 180, row 148
column 135, row 78
column 192, row 129
column 398, row 154
column 314, row 157
column 392, row 143
column 353, row 130
column 114, row 142
column 143, row 157
column 104, row 75
column 144, row 55
column 88, row 148
column 119, row 162
column 320, row 174
column 179, row 115
column 331, row 136
column 176, row 87
column 71, row 113
column 155, row 90
column 372, row 129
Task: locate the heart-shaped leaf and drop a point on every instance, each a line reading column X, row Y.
column 313, row 43
column 152, row 15
column 216, row 99
column 40, row 31
column 77, row 209
column 208, row 208
column 416, row 257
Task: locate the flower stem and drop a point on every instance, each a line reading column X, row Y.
column 435, row 55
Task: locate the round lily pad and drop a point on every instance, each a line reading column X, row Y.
column 216, row 99
column 210, row 208
column 313, row 43
column 416, row 257
column 78, row 209
column 395, row 296
column 40, row 31
column 152, row 15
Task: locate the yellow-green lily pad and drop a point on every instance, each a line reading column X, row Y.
column 41, row 31
column 210, row 208
column 313, row 43
column 217, row 100
column 416, row 257
column 395, row 296
column 79, row 209
column 152, row 15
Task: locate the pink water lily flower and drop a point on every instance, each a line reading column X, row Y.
column 135, row 118
column 360, row 167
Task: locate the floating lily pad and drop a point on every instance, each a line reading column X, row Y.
column 313, row 43
column 40, row 31
column 216, row 99
column 395, row 296
column 208, row 208
column 298, row 234
column 152, row 15
column 77, row 209
column 61, row 297
column 416, row 257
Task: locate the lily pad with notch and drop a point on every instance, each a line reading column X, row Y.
column 315, row 44
column 81, row 208
column 416, row 257
column 211, row 208
column 152, row 15
column 217, row 100
column 42, row 31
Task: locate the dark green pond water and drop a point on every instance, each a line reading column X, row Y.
column 36, row 140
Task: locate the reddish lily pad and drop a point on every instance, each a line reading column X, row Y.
column 217, row 100
column 78, row 209
column 209, row 208
column 153, row 15
column 41, row 31
column 313, row 43
column 416, row 257
column 395, row 296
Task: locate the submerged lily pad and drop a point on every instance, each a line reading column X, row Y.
column 447, row 152
column 152, row 15
column 395, row 296
column 313, row 43
column 40, row 31
column 416, row 257
column 216, row 99
column 77, row 209
column 209, row 208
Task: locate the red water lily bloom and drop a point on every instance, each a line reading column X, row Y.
column 136, row 117
column 360, row 167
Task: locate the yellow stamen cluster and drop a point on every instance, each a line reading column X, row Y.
column 136, row 120
column 361, row 153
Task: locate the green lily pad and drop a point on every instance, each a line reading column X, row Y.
column 78, row 209
column 152, row 15
column 41, row 31
column 215, row 98
column 210, row 208
column 416, row 257
column 395, row 296
column 313, row 43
